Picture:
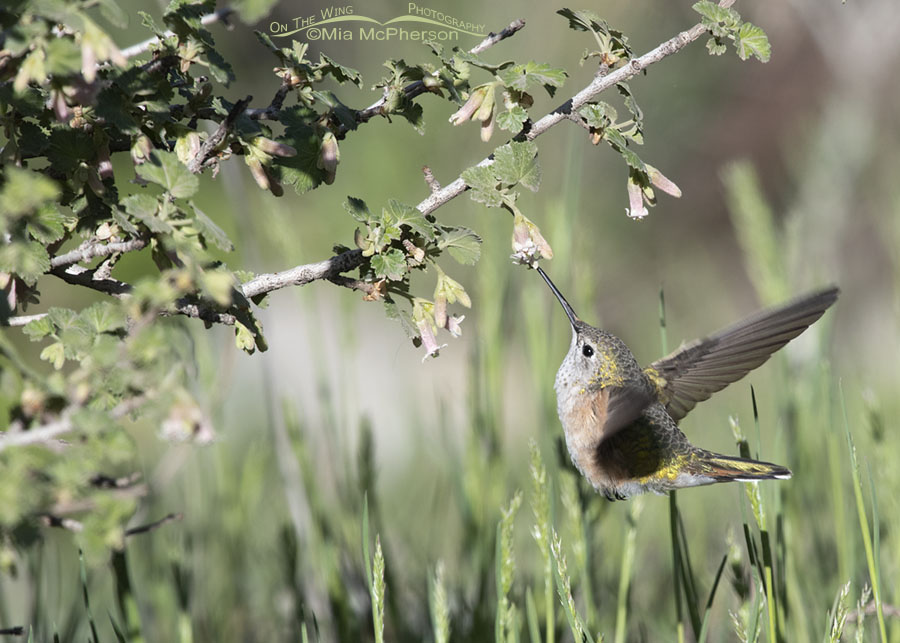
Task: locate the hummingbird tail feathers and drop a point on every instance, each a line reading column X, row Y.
column 723, row 468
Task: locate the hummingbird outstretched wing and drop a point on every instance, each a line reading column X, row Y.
column 695, row 371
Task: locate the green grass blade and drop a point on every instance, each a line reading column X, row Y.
column 564, row 590
column 365, row 539
column 704, row 628
column 864, row 523
column 628, row 553
column 534, row 630
column 86, row 598
column 676, row 565
column 440, row 610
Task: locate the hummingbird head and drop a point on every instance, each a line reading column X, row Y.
column 592, row 356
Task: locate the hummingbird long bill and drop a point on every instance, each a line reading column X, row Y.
column 620, row 420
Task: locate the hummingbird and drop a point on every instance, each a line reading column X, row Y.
column 621, row 420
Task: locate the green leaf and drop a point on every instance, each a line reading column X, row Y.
column 300, row 171
column 394, row 311
column 103, row 317
column 166, row 170
column 32, row 69
column 358, row 209
column 389, row 265
column 210, row 231
column 26, row 259
column 451, row 290
column 116, row 109
column 55, row 353
column 243, row 338
column 145, row 209
column 38, row 328
column 512, row 119
column 521, row 77
column 716, row 47
column 400, row 214
column 63, row 57
column 46, row 225
column 24, row 191
column 63, row 318
column 630, row 102
column 713, row 13
column 340, row 73
column 462, row 244
column 752, row 41
column 68, row 148
column 218, row 285
column 483, row 185
column 116, row 16
column 515, row 163
column 599, row 115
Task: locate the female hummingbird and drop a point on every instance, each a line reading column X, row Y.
column 620, row 420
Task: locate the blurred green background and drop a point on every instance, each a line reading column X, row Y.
column 788, row 171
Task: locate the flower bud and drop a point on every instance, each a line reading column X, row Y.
column 141, row 149
column 274, row 148
column 662, row 182
column 258, row 172
column 329, row 156
column 636, row 209
column 528, row 243
column 476, row 98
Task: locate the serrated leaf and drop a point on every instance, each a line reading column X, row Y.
column 339, row 72
column 62, row 318
column 116, row 16
column 516, row 163
column 599, row 115
column 38, row 328
column 218, row 285
column 462, row 244
column 243, row 338
column 389, row 265
column 300, row 171
column 483, row 185
column 751, row 40
column 400, row 214
column 103, row 317
column 630, row 102
column 55, row 353
column 68, row 148
column 46, row 225
column 63, row 57
column 413, row 113
column 632, row 159
column 210, row 231
column 715, row 47
column 512, row 119
column 33, row 68
column 715, row 13
column 25, row 191
column 451, row 290
column 394, row 311
column 358, row 209
column 26, row 259
column 145, row 209
column 521, row 77
column 164, row 168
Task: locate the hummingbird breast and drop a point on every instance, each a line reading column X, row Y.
column 648, row 454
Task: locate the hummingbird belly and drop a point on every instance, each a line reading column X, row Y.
column 651, row 454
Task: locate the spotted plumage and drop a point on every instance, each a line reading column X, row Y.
column 620, row 420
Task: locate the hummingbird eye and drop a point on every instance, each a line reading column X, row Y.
column 587, row 351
